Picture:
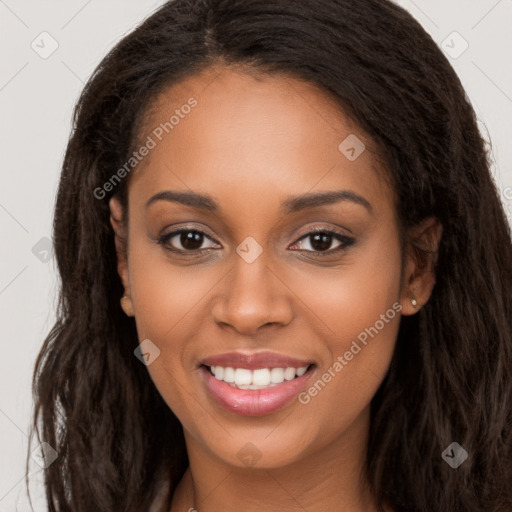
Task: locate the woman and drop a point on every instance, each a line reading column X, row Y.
column 286, row 272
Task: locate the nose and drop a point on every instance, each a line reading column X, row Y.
column 252, row 296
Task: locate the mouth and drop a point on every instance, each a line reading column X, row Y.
column 256, row 391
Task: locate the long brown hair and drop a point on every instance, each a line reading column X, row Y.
column 451, row 375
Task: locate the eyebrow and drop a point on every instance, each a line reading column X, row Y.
column 313, row 200
column 291, row 205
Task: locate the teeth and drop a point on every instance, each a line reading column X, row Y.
column 301, row 371
column 229, row 374
column 277, row 375
column 289, row 373
column 260, row 378
column 243, row 377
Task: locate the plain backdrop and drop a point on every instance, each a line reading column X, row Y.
column 37, row 94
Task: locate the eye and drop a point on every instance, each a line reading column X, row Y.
column 186, row 240
column 320, row 240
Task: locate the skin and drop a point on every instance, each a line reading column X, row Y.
column 251, row 143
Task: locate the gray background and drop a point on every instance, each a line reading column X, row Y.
column 36, row 100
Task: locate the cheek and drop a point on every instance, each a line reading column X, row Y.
column 166, row 297
column 341, row 392
column 352, row 297
column 359, row 307
column 169, row 303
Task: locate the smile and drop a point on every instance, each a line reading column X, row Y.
column 254, row 384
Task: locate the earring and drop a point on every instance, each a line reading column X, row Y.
column 414, row 302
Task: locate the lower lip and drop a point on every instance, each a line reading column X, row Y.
column 254, row 402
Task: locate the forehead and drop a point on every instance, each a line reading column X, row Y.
column 263, row 135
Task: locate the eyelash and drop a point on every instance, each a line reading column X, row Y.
column 346, row 241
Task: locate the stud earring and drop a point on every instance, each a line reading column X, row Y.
column 414, row 302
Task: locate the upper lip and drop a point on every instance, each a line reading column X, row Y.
column 255, row 360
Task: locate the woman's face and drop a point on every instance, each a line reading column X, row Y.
column 247, row 277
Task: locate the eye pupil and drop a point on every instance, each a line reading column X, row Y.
column 321, row 241
column 191, row 240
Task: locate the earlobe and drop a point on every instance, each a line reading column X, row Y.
column 126, row 305
column 419, row 270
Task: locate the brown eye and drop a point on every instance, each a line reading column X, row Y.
column 320, row 241
column 186, row 240
column 191, row 240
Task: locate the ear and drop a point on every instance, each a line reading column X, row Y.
column 120, row 238
column 419, row 268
